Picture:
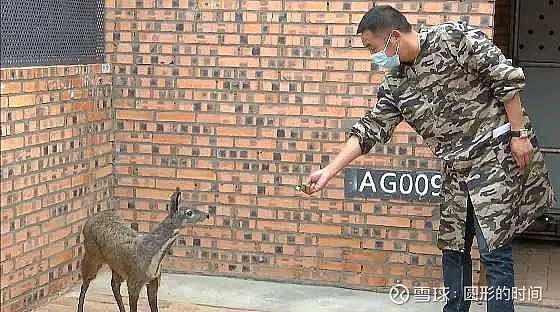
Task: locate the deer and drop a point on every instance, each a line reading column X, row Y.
column 132, row 257
column 480, row 284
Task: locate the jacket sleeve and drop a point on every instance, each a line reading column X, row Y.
column 476, row 53
column 378, row 124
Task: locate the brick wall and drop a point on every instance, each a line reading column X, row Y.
column 234, row 102
column 237, row 101
column 55, row 170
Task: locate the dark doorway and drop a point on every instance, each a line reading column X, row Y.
column 528, row 32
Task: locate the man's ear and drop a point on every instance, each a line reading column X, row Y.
column 396, row 34
column 174, row 202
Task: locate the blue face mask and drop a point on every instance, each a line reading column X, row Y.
column 382, row 59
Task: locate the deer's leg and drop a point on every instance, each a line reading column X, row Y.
column 481, row 283
column 85, row 285
column 90, row 266
column 133, row 294
column 152, row 294
column 116, row 281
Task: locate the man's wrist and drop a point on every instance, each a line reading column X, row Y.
column 331, row 169
column 520, row 133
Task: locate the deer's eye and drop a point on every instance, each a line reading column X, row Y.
column 189, row 213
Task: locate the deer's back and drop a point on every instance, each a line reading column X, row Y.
column 108, row 238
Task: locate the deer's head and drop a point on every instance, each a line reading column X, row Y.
column 184, row 215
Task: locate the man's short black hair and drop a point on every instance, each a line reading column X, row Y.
column 383, row 18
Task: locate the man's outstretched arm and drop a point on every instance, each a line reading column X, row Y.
column 350, row 152
column 376, row 126
column 320, row 178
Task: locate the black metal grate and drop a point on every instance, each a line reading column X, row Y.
column 51, row 32
column 538, row 30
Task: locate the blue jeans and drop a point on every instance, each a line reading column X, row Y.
column 457, row 271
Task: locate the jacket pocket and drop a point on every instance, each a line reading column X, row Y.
column 533, row 171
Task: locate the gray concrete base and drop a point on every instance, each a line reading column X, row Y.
column 211, row 293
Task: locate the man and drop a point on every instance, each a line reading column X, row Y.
column 460, row 93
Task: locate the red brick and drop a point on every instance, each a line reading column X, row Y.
column 388, row 221
column 10, row 87
column 423, row 248
column 275, row 272
column 321, row 229
column 216, row 118
column 169, row 139
column 366, row 255
column 249, row 143
column 134, row 114
column 329, row 18
column 305, row 29
column 276, row 226
column 347, row 53
column 338, row 242
column 196, row 174
column 305, row 6
column 236, row 131
column 272, row 5
column 437, row 6
column 327, row 111
column 238, row 61
column 236, row 245
column 196, row 84
column 178, row 116
column 11, row 143
column 21, row 100
column 156, row 172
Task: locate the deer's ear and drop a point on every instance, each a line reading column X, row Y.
column 174, row 202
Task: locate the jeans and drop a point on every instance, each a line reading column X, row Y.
column 457, row 271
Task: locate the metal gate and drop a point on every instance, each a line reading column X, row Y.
column 535, row 45
column 51, row 32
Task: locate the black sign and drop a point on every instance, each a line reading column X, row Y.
column 392, row 184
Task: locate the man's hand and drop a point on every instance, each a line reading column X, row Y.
column 522, row 151
column 318, row 179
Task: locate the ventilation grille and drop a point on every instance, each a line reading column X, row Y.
column 51, row 32
column 538, row 31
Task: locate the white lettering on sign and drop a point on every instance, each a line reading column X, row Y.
column 410, row 184
column 368, row 181
column 417, row 186
column 437, row 186
column 423, row 185
column 392, row 184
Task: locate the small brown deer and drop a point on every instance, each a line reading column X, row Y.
column 133, row 257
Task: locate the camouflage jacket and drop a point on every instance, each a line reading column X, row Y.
column 453, row 96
